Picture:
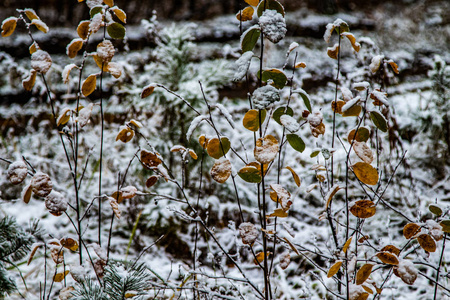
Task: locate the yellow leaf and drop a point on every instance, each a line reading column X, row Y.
column 246, row 14
column 33, row 252
column 336, row 106
column 252, row 2
column 363, row 273
column 69, row 243
column 279, row 212
column 64, row 117
column 393, row 66
column 300, row 65
column 66, row 72
column 30, row 13
column 387, row 258
column 333, row 51
column 216, row 148
column 410, row 230
column 367, row 289
column 130, row 294
column 193, row 154
column 363, row 209
column 29, row 82
column 266, row 149
column 427, row 242
column 60, row 276
column 74, row 46
column 251, row 119
column 356, row 46
column 120, row 14
column 83, row 29
column 295, row 176
column 34, row 47
column 136, row 123
column 221, row 170
column 260, row 257
column 40, row 25
column 125, row 134
column 89, row 85
column 366, row 173
column 8, row 26
column 334, row 269
column 347, row 245
column 110, row 3
column 291, row 245
column 148, row 90
column 203, row 141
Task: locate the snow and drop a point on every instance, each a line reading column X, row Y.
column 17, row 172
column 375, row 63
column 249, row 233
column 92, row 3
column 406, row 270
column 41, row 61
column 350, row 104
column 105, row 50
column 96, row 23
column 56, row 203
column 84, row 115
column 315, row 118
column 328, row 31
column 346, row 94
column 290, row 123
column 66, row 72
column 264, row 96
column 273, row 25
column 243, row 63
column 194, row 124
column 380, row 96
column 39, row 24
column 41, row 184
column 226, row 114
column 361, row 86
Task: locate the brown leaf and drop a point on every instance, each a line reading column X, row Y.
column 151, row 181
column 366, row 173
column 347, row 245
column 300, row 65
column 57, row 254
column 118, row 196
column 41, row 184
column 279, row 212
column 367, row 289
column 128, row 192
column 69, row 243
column 148, row 90
column 334, row 268
column 333, row 51
column 295, row 176
column 427, row 242
column 115, row 207
column 33, row 251
column 387, row 258
column 362, row 135
column 29, row 82
column 125, row 134
column 363, row 151
column 150, row 159
column 334, row 189
column 89, row 85
column 83, row 29
column 336, row 106
column 363, row 209
column 60, row 276
column 410, row 230
column 221, row 170
column 392, row 249
column 363, row 273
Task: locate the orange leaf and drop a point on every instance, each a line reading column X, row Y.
column 334, row 268
column 363, row 209
column 60, row 276
column 427, row 242
column 387, row 258
column 366, row 173
column 410, row 230
column 89, row 85
column 8, row 26
column 295, row 176
column 246, row 14
column 260, row 257
column 150, row 159
column 347, row 245
column 83, row 29
column 392, row 249
column 363, row 273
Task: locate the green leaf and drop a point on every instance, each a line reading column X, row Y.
column 305, row 98
column 250, row 174
column 95, row 10
column 296, row 142
column 379, row 121
column 250, row 38
column 270, row 4
column 315, row 152
column 435, row 210
column 214, row 147
column 116, row 31
column 277, row 76
column 280, row 111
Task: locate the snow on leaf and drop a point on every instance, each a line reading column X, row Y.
column 269, row 5
column 248, row 233
column 128, row 192
column 387, row 258
column 379, row 98
column 105, row 51
column 221, row 170
column 334, row 268
column 120, row 14
column 366, row 173
column 266, row 149
column 84, row 115
column 224, row 111
column 115, row 207
column 276, row 77
column 41, row 184
column 363, row 151
column 17, row 172
column 125, row 134
column 333, row 51
column 242, row 65
column 56, row 203
column 264, row 96
column 66, row 72
column 273, row 25
column 315, row 119
column 347, row 95
column 8, row 26
column 40, row 25
column 194, row 124
column 30, row 13
column 356, row 46
column 406, row 271
column 282, row 111
column 95, row 23
column 361, row 86
column 328, row 32
column 350, row 104
column 376, row 63
column 41, row 61
column 69, row 243
column 282, row 196
column 300, row 65
column 289, row 123
column 391, row 249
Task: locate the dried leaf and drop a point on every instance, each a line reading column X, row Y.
column 406, row 271
column 29, row 82
column 69, row 243
column 363, row 209
column 83, row 29
column 125, row 134
column 334, row 268
column 291, row 245
column 410, row 230
column 89, row 85
column 363, row 273
column 279, row 212
column 27, row 192
column 387, row 258
column 248, row 233
column 363, row 151
column 333, row 51
column 36, row 246
column 74, row 46
column 266, row 149
column 392, row 249
column 347, row 245
column 336, row 106
column 216, row 149
column 8, row 26
column 110, row 3
column 363, row 239
column 427, row 242
column 57, row 254
column 66, row 72
column 193, row 154
column 334, row 189
column 41, row 184
column 128, row 192
column 115, row 207
column 295, row 176
column 300, row 65
column 41, row 61
column 285, row 260
column 118, row 196
column 246, row 14
column 60, row 276
column 150, row 159
column 393, row 66
column 221, row 170
column 445, row 225
column 366, row 173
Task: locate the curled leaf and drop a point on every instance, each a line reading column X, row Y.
column 29, row 82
